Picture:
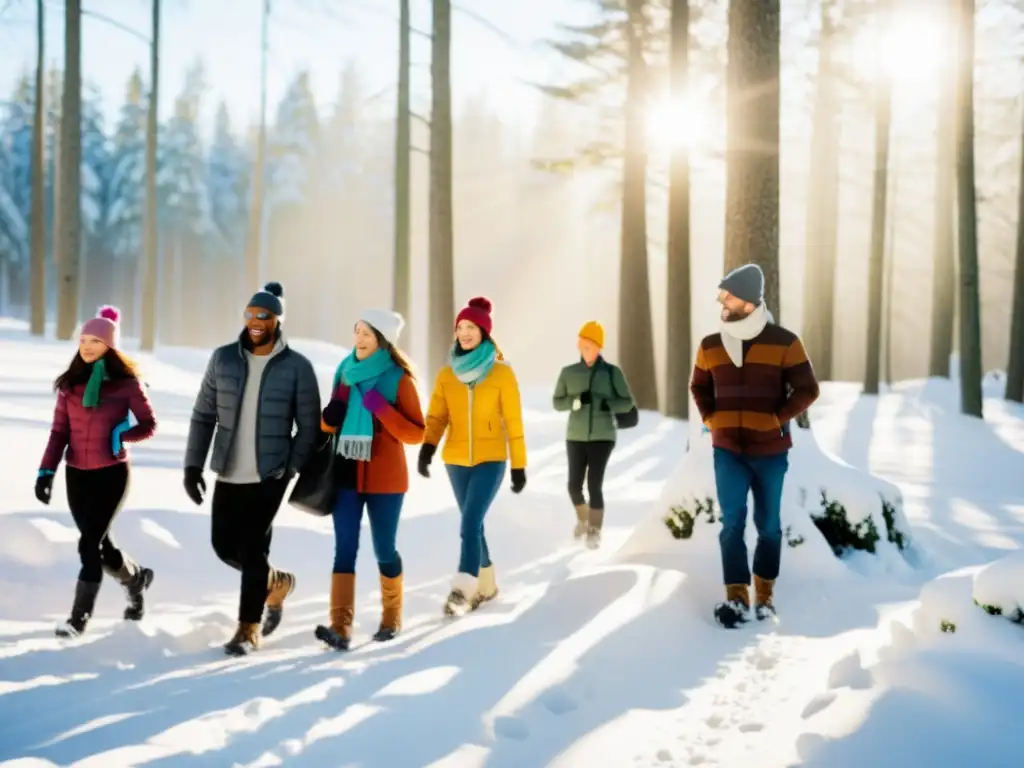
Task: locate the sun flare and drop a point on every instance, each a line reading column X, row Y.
column 911, row 52
column 673, row 124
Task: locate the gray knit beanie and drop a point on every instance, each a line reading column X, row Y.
column 746, row 283
column 271, row 298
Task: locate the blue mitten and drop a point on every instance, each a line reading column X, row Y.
column 115, row 437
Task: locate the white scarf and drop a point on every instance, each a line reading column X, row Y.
column 735, row 332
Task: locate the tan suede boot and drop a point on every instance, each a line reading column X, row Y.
column 343, row 603
column 582, row 521
column 280, row 584
column 486, row 588
column 391, row 608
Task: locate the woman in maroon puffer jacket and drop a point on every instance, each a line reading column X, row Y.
column 94, row 397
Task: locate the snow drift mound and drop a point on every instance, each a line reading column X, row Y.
column 829, row 509
column 950, row 604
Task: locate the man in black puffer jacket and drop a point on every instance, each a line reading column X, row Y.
column 259, row 404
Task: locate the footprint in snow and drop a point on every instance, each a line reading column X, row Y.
column 751, row 727
column 715, row 721
column 818, row 704
column 558, row 702
column 511, row 728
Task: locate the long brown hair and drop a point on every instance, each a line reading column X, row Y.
column 401, row 359
column 78, row 372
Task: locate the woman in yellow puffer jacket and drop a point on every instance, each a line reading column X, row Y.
column 476, row 402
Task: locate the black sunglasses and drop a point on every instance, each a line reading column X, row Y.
column 249, row 315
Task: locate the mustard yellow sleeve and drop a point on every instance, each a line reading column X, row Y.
column 512, row 415
column 437, row 413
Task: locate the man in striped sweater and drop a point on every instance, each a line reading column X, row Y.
column 751, row 379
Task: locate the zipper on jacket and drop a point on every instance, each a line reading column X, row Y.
column 471, row 391
column 259, row 407
column 590, row 387
column 241, row 394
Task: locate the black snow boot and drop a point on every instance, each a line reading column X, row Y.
column 735, row 611
column 81, row 609
column 135, row 580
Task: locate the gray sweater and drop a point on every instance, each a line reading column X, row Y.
column 262, row 414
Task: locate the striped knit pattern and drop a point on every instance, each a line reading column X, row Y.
column 747, row 408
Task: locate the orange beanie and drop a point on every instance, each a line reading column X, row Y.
column 593, row 331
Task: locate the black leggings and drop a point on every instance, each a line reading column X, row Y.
column 95, row 497
column 242, row 516
column 588, row 460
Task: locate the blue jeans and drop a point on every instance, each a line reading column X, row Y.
column 384, row 510
column 735, row 477
column 475, row 489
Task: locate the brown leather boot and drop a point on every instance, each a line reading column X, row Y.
column 245, row 640
column 764, row 589
column 343, row 603
column 391, row 605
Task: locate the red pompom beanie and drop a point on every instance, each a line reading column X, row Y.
column 106, row 326
column 478, row 312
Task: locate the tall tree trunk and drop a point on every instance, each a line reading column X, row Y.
column 403, row 159
column 678, row 363
column 890, row 258
column 944, row 239
column 254, row 233
column 71, row 169
column 1015, row 369
column 970, row 305
column 442, row 270
column 37, row 324
column 752, row 141
column 150, row 251
column 636, row 332
column 876, row 260
column 822, row 207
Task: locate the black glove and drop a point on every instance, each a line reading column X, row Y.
column 44, row 487
column 195, row 486
column 584, row 398
column 518, row 480
column 427, row 452
column 334, row 414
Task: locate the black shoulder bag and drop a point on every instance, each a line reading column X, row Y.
column 315, row 490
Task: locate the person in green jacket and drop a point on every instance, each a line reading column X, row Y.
column 593, row 391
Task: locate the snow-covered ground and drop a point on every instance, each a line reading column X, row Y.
column 599, row 659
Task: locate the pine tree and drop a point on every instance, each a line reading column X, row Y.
column 183, row 215
column 291, row 185
column 16, row 193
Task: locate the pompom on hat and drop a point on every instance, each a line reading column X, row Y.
column 106, row 326
column 271, row 298
column 478, row 312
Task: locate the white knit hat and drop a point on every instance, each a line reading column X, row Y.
column 388, row 323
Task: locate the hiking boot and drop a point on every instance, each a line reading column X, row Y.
column 280, row 584
column 245, row 640
column 135, row 580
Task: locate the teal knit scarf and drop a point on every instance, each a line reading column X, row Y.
column 474, row 365
column 378, row 371
column 91, row 396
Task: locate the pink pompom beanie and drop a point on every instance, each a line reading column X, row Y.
column 106, row 326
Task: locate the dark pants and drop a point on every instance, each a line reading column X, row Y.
column 384, row 510
column 95, row 497
column 735, row 477
column 475, row 489
column 588, row 461
column 242, row 517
